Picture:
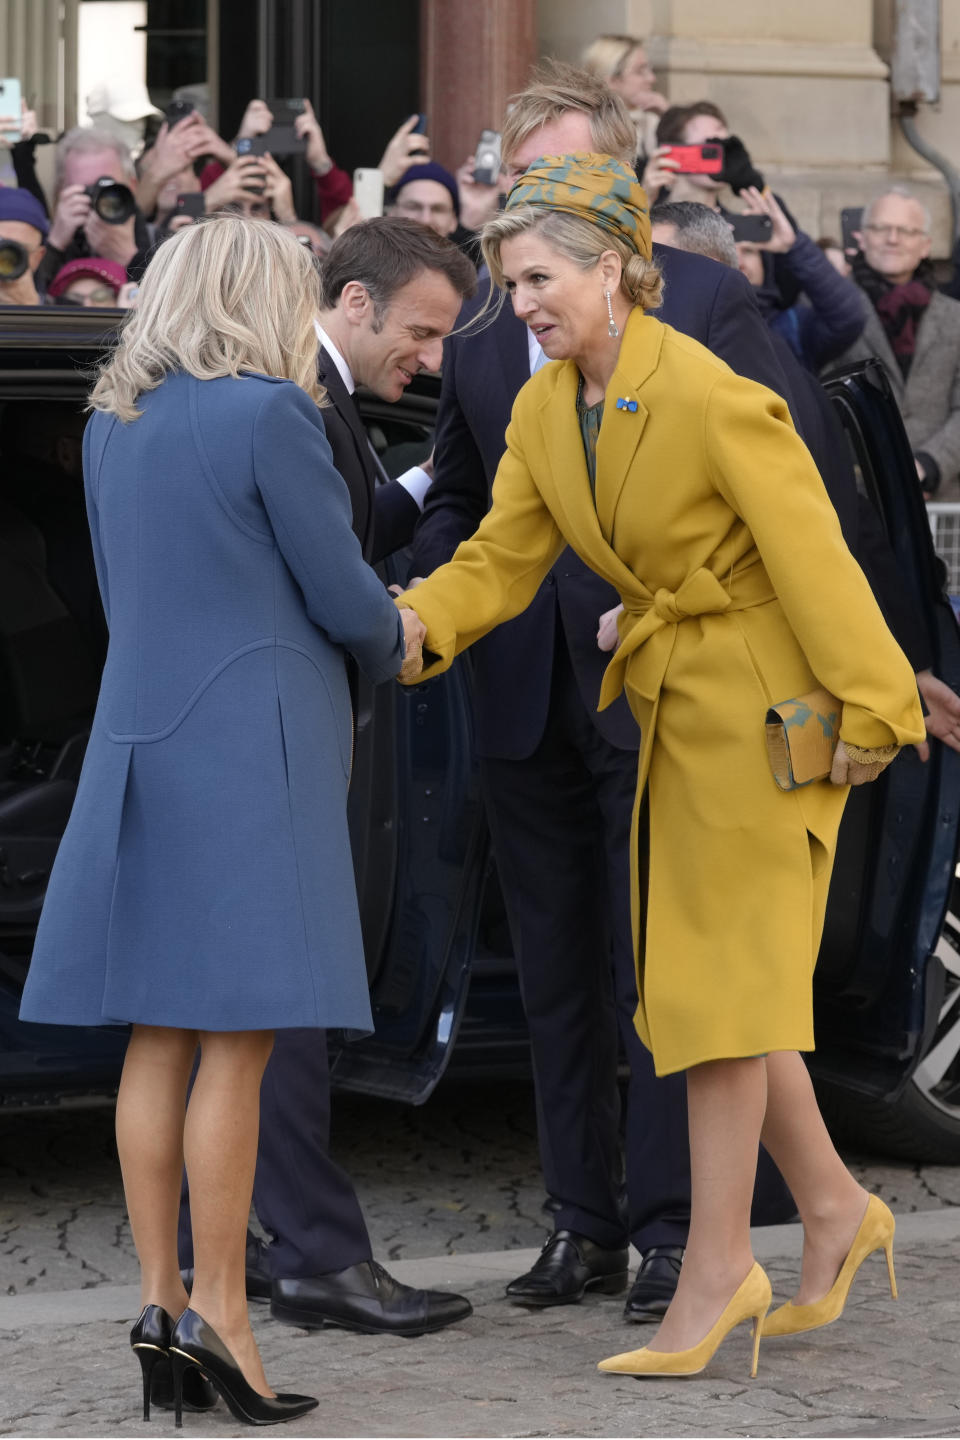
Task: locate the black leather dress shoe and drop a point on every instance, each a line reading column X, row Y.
column 366, row 1298
column 656, row 1281
column 258, row 1272
column 569, row 1264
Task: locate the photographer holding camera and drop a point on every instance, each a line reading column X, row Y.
column 23, row 229
column 95, row 211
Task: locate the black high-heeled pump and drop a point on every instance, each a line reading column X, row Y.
column 150, row 1342
column 194, row 1343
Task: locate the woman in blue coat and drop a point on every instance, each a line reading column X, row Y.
column 204, row 889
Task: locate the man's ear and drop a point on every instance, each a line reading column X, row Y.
column 36, row 257
column 355, row 302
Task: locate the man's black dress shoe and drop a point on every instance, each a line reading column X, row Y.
column 569, row 1264
column 366, row 1298
column 258, row 1272
column 655, row 1284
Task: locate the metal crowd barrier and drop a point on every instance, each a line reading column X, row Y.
column 944, row 517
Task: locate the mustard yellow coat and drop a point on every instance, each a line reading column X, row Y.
column 712, row 522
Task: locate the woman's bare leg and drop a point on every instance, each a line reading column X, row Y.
column 150, row 1107
column 725, row 1103
column 831, row 1203
column 220, row 1149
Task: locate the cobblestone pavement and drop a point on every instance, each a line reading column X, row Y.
column 458, row 1181
column 460, row 1174
column 883, row 1370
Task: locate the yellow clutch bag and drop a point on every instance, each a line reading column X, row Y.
column 802, row 735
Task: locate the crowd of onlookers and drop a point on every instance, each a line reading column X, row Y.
column 124, row 184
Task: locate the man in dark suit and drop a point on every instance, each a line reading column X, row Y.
column 560, row 778
column 391, row 292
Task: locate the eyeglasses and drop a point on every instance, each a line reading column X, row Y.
column 898, row 232
column 413, row 210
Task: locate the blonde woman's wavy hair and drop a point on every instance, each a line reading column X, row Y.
column 226, row 296
column 580, row 240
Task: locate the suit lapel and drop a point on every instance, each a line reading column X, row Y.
column 361, row 477
column 879, row 345
column 928, row 332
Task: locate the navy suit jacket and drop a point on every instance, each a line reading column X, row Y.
column 513, row 666
column 384, row 513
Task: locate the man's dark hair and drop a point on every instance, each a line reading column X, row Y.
column 673, row 122
column 387, row 253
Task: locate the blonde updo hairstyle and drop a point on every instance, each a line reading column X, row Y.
column 578, row 239
column 224, row 297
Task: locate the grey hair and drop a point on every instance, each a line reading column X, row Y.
column 904, row 194
column 699, row 229
column 580, row 240
column 84, row 140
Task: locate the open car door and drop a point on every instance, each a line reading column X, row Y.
column 887, row 984
column 419, row 838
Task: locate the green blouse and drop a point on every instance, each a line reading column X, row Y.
column 590, row 417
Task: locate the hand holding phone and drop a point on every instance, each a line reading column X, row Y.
column 368, row 192
column 11, row 110
column 851, row 225
column 778, row 235
column 486, row 164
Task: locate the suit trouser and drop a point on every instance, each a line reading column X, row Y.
column 560, row 823
column 304, row 1201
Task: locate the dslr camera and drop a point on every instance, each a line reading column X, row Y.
column 14, row 260
column 113, row 202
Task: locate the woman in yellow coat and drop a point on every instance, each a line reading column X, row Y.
column 686, row 487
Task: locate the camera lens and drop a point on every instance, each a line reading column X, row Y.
column 113, row 202
column 13, row 260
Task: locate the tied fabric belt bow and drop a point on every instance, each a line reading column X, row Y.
column 652, row 620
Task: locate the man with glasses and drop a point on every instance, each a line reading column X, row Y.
column 23, row 232
column 430, row 195
column 915, row 332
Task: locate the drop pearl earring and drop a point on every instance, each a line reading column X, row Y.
column 613, row 329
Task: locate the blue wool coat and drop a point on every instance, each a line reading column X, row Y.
column 205, row 878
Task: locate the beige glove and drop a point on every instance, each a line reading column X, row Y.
column 854, row 766
column 414, row 631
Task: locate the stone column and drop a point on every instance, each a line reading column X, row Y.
column 473, row 55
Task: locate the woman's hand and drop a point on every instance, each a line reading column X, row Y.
column 943, row 719
column 608, row 636
column 307, row 127
column 660, row 171
column 478, row 203
column 278, row 189
column 257, row 120
column 853, row 766
column 245, row 177
column 414, row 633
column 762, row 202
column 403, row 150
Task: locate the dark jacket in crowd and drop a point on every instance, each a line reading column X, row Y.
column 825, row 319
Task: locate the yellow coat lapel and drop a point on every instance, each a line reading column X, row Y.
column 622, row 428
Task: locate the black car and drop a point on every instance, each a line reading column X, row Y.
column 441, row 974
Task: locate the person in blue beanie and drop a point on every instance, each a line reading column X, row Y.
column 23, row 232
column 430, row 194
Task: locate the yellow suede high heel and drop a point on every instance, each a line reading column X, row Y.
column 750, row 1302
column 875, row 1233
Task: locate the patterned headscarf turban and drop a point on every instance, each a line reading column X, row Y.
column 596, row 187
